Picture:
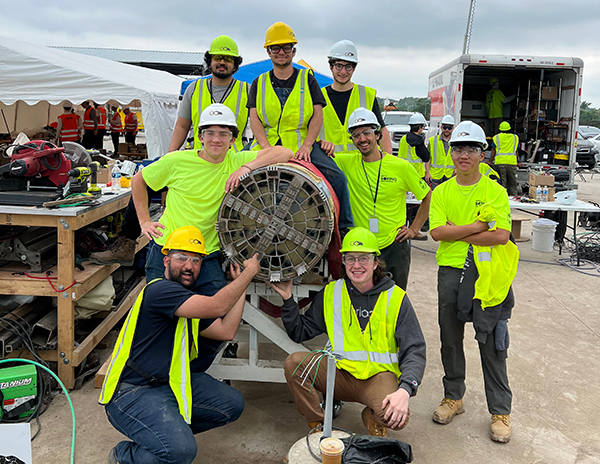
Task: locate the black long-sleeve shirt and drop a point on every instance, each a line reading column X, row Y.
column 409, row 338
column 416, row 141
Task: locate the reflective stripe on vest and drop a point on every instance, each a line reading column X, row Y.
column 438, row 167
column 70, row 127
column 236, row 101
column 88, row 122
column 290, row 121
column 179, row 371
column 367, row 353
column 101, row 112
column 506, row 148
column 130, row 124
column 332, row 129
column 116, row 125
column 407, row 152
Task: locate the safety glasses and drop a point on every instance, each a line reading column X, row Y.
column 363, row 260
column 275, row 49
column 366, row 133
column 348, row 67
column 182, row 259
column 447, row 127
column 226, row 58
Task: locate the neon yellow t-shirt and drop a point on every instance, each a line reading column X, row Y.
column 196, row 189
column 397, row 178
column 459, row 205
column 493, row 101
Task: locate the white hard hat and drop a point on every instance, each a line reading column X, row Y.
column 449, row 120
column 468, row 131
column 362, row 117
column 344, row 50
column 417, row 119
column 217, row 114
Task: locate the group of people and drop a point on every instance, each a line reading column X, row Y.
column 188, row 310
column 90, row 129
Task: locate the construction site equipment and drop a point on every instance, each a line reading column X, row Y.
column 284, row 213
column 18, row 392
column 33, row 246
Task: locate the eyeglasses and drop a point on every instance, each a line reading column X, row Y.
column 275, row 49
column 182, row 259
column 213, row 134
column 469, row 151
column 348, row 67
column 447, row 127
column 366, row 133
column 226, row 58
column 363, row 260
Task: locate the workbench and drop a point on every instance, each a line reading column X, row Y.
column 72, row 284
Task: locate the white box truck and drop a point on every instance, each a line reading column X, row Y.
column 543, row 95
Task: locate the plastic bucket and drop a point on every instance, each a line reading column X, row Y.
column 543, row 235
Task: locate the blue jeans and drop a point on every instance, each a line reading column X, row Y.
column 149, row 416
column 338, row 181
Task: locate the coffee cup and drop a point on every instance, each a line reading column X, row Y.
column 331, row 450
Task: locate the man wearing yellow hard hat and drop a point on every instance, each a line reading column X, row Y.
column 286, row 108
column 504, row 157
column 150, row 394
column 373, row 330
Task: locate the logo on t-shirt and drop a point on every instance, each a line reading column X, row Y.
column 479, row 203
column 389, row 179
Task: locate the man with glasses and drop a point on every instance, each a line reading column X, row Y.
column 381, row 370
column 470, row 217
column 342, row 98
column 151, row 394
column 441, row 168
column 286, row 108
column 378, row 185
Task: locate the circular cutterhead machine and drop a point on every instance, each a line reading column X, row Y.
column 284, row 213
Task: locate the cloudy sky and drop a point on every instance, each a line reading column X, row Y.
column 399, row 41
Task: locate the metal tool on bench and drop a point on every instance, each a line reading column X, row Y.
column 33, row 246
column 78, row 180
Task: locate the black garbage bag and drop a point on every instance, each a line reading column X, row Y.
column 365, row 449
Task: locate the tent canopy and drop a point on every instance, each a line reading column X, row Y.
column 33, row 74
column 249, row 72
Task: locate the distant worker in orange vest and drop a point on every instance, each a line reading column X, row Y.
column 90, row 126
column 68, row 128
column 116, row 127
column 131, row 125
column 101, row 111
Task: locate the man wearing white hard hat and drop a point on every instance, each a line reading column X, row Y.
column 344, row 96
column 378, row 183
column 440, row 166
column 470, row 217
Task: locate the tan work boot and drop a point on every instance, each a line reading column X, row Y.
column 500, row 430
column 122, row 251
column 312, row 426
column 374, row 428
column 447, row 410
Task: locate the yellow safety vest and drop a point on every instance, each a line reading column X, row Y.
column 290, row 122
column 367, row 353
column 235, row 101
column 179, row 372
column 441, row 161
column 488, row 171
column 506, row 148
column 497, row 268
column 405, row 151
column 333, row 130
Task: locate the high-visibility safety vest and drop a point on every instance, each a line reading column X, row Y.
column 488, row 171
column 235, row 101
column 367, row 353
column 131, row 124
column 179, row 371
column 88, row 122
column 405, row 151
column 70, row 127
column 332, row 129
column 441, row 161
column 116, row 125
column 290, row 122
column 101, row 112
column 506, row 148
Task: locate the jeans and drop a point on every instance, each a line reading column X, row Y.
column 338, row 181
column 131, row 225
column 397, row 257
column 149, row 416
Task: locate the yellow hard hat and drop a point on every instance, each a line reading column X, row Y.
column 360, row 240
column 187, row 238
column 278, row 34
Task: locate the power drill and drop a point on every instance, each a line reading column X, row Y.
column 81, row 175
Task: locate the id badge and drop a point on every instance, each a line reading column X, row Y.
column 374, row 224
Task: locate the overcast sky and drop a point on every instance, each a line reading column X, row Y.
column 399, row 41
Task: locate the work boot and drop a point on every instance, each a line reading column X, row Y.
column 500, row 430
column 122, row 252
column 112, row 456
column 312, row 426
column 374, row 428
column 447, row 410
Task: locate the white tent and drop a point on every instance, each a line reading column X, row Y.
column 44, row 77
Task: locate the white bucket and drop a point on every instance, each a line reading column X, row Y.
column 543, row 235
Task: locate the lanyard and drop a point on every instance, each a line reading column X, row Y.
column 378, row 178
column 225, row 95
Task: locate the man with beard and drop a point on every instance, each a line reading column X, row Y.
column 223, row 60
column 378, row 184
column 343, row 97
column 150, row 393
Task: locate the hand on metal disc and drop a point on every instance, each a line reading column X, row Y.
column 283, row 289
column 235, row 270
column 395, row 406
column 328, row 148
column 303, row 154
column 252, row 264
column 405, row 233
column 234, row 178
column 151, row 229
